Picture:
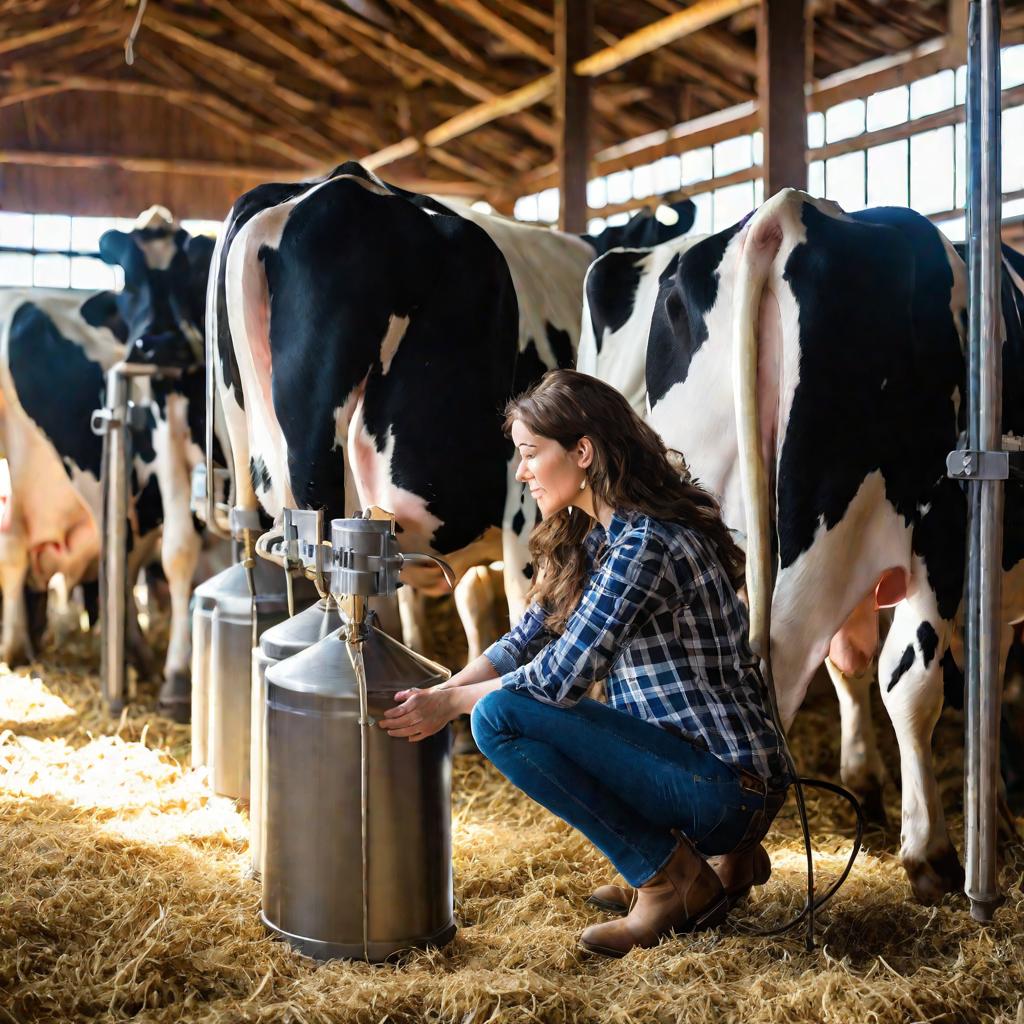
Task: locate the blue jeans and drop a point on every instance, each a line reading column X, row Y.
column 623, row 782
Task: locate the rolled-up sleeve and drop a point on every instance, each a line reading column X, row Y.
column 619, row 600
column 506, row 653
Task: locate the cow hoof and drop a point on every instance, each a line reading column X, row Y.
column 175, row 699
column 932, row 878
column 16, row 656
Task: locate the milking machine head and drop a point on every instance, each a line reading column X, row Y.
column 361, row 560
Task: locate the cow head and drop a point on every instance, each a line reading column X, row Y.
column 164, row 297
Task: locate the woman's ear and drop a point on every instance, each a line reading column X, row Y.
column 584, row 452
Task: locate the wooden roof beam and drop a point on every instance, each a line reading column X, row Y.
column 42, row 35
column 503, row 29
column 310, row 64
column 675, row 26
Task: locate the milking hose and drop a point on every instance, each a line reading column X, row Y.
column 798, row 782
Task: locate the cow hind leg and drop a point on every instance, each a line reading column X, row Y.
column 910, row 674
column 850, row 666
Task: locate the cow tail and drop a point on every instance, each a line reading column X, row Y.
column 762, row 242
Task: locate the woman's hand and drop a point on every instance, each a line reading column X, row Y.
column 421, row 713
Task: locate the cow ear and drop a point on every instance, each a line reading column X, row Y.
column 100, row 310
column 114, row 247
column 686, row 210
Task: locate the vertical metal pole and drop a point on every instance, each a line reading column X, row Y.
column 113, row 570
column 983, row 617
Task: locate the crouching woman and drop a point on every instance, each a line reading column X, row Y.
column 677, row 778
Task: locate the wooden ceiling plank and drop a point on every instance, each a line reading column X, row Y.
column 311, row 65
column 455, row 46
column 503, row 29
column 463, row 166
column 235, row 61
column 141, row 165
column 533, row 15
column 41, row 35
column 684, row 22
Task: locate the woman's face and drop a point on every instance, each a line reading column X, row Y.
column 552, row 472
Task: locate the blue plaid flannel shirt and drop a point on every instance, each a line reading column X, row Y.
column 660, row 622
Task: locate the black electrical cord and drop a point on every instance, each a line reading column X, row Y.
column 798, row 782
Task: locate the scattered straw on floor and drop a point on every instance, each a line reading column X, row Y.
column 123, row 896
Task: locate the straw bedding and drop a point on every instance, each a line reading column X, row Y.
column 123, row 895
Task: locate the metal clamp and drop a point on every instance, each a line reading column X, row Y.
column 974, row 464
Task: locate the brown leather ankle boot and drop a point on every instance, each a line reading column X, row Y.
column 685, row 896
column 737, row 873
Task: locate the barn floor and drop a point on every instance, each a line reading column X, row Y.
column 123, row 896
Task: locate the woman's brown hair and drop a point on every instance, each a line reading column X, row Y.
column 631, row 470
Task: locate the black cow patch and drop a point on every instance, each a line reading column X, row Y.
column 100, row 310
column 644, row 230
column 528, row 570
column 678, row 328
column 611, row 291
column 561, row 347
column 876, row 334
column 529, row 368
column 902, row 667
column 58, row 386
column 928, row 640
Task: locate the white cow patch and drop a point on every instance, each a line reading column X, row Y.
column 397, row 326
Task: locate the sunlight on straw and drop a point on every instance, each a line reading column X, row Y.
column 27, row 700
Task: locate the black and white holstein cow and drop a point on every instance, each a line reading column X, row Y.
column 368, row 341
column 56, row 349
column 847, row 333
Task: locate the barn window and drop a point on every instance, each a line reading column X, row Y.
column 844, row 120
column 815, row 130
column 931, row 171
column 888, row 108
column 844, row 180
column 702, row 221
column 732, row 155
column 888, row 174
column 620, row 187
column 697, row 165
column 732, row 203
column 597, row 193
column 1012, row 66
column 1013, row 149
column 931, row 94
column 667, row 174
column 56, row 251
column 643, row 181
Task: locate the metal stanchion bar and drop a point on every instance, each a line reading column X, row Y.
column 983, row 618
column 115, row 423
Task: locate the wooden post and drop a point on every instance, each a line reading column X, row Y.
column 781, row 46
column 573, row 30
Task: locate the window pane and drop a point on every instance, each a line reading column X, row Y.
column 758, row 191
column 202, row 227
column 90, row 273
column 732, row 155
column 702, row 221
column 887, row 175
column 1012, row 66
column 525, row 208
column 16, row 269
column 844, row 120
column 1013, row 149
column 667, row 174
column 757, row 142
column 16, row 230
column 86, row 232
column 51, row 271
column 931, row 171
column 815, row 130
column 931, row 94
column 844, row 180
column 620, row 187
column 52, row 232
column 696, row 165
column 597, row 193
column 643, row 181
column 481, row 206
column 118, row 278
column 816, row 178
column 961, row 165
column 616, row 220
column 961, row 83
column 888, row 108
column 955, row 230
column 731, row 203
column 547, row 205
column 595, row 225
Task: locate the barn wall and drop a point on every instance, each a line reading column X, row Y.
column 105, row 124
